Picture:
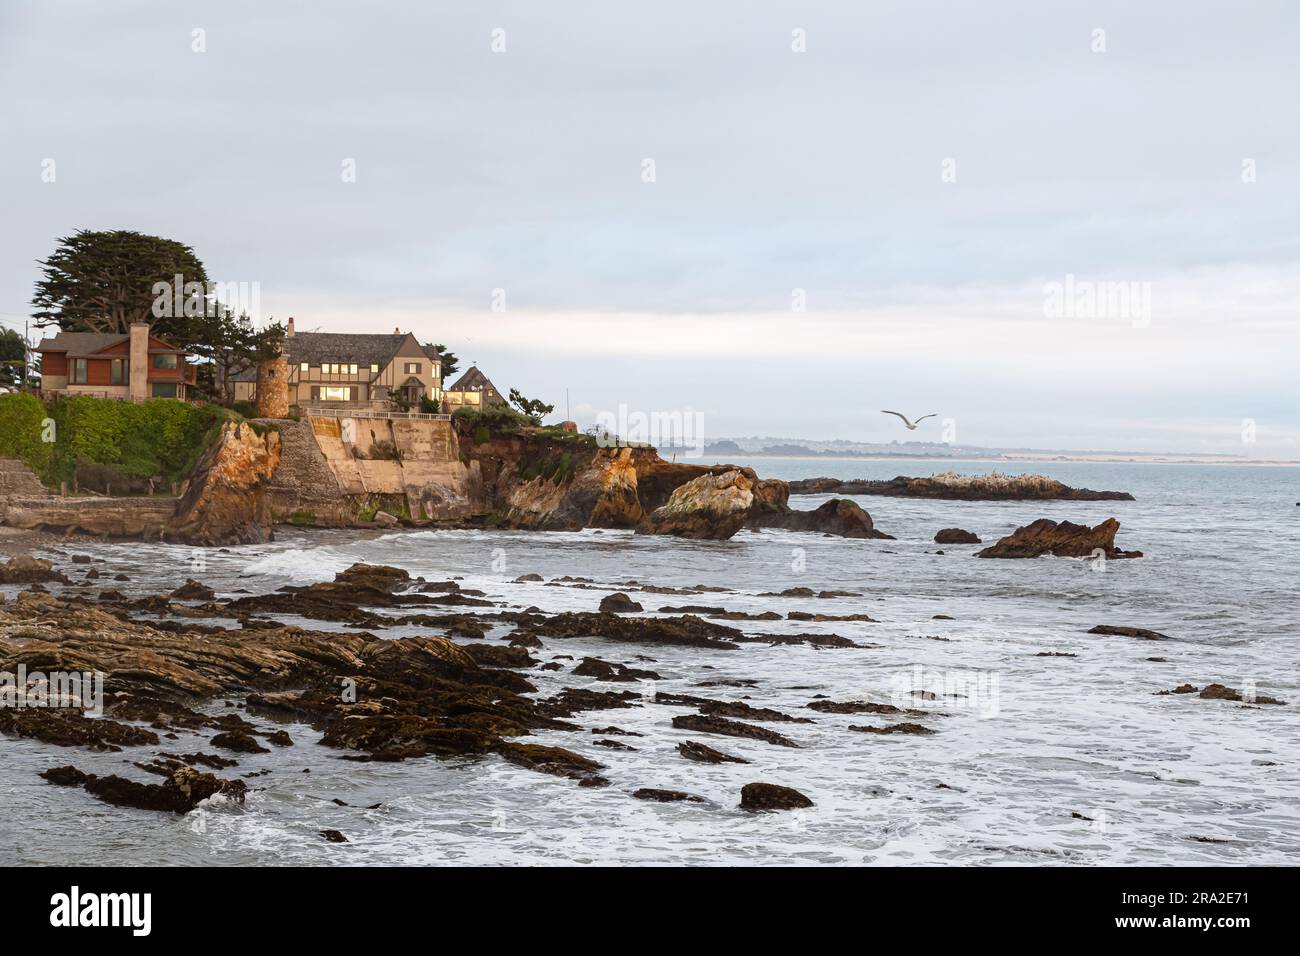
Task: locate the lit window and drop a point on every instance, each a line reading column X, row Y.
column 413, row 368
column 374, row 369
column 341, row 393
column 352, row 369
column 305, row 367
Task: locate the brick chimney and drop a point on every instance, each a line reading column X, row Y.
column 289, row 331
column 138, row 377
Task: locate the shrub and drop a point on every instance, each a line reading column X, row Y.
column 22, row 418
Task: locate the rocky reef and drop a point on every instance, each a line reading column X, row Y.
column 839, row 516
column 950, row 485
column 1064, row 540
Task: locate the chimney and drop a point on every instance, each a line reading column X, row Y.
column 138, row 361
column 289, row 331
column 397, row 331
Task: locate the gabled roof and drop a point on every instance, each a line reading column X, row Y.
column 318, row 348
column 81, row 343
column 89, row 343
column 472, row 381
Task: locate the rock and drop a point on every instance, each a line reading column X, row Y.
column 81, row 559
column 903, row 728
column 333, row 836
column 768, row 797
column 605, row 671
column 280, row 738
column 524, row 578
column 1139, row 632
column 183, row 790
column 239, row 742
column 839, row 516
column 1220, row 692
column 854, row 707
column 685, row 631
column 226, row 501
column 949, row 485
column 730, row 728
column 710, row 507
column 27, row 570
column 385, row 520
column 1064, row 540
column 956, row 536
column 699, row 752
column 618, row 603
column 552, row 760
column 192, row 590
column 667, row 796
column 381, row 577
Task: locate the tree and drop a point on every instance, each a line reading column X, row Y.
column 449, row 361
column 231, row 346
column 534, row 408
column 104, row 281
column 13, row 357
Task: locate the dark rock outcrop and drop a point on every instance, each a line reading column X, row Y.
column 956, row 536
column 27, row 570
column 1064, row 540
column 839, row 516
column 1139, row 632
column 767, row 797
column 183, row 790
column 618, row 603
column 994, row 487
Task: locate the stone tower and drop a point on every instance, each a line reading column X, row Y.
column 273, row 387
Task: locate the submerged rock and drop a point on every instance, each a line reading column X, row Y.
column 767, row 797
column 181, row 792
column 1139, row 632
column 701, row 723
column 667, row 796
column 1064, row 540
column 692, row 750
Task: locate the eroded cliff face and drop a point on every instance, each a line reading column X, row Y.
column 226, row 501
column 339, row 471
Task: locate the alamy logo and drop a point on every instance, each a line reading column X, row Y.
column 73, row 909
column 74, row 690
column 1082, row 299
column 681, row 430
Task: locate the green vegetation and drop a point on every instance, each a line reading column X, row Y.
column 532, row 408
column 492, row 421
column 557, row 469
column 22, row 431
column 13, row 357
column 122, row 446
column 303, row 518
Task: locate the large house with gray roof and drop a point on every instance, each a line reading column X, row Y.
column 354, row 370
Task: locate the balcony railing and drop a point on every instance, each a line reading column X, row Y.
column 317, row 411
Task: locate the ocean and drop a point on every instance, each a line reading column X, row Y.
column 1035, row 759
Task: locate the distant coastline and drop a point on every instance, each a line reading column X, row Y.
column 1036, row 457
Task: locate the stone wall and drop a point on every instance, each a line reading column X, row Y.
column 273, row 388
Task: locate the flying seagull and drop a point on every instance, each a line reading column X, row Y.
column 911, row 426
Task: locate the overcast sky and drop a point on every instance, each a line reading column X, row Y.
column 922, row 172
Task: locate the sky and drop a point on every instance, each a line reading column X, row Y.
column 1065, row 225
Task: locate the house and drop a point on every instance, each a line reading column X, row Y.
column 362, row 370
column 133, row 366
column 473, row 390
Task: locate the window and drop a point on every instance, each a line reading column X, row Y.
column 352, row 369
column 305, row 367
column 436, row 371
column 413, row 368
column 336, row 394
column 78, row 370
column 374, row 369
column 119, row 371
column 164, row 361
column 164, row 390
